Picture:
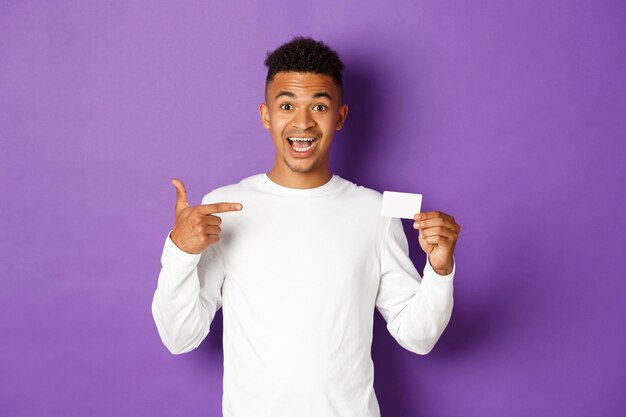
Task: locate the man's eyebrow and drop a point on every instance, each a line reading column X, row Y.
column 323, row 94
column 316, row 95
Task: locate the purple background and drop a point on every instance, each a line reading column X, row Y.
column 511, row 117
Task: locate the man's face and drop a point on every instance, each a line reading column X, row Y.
column 302, row 106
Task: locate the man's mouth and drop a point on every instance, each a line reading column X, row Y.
column 302, row 144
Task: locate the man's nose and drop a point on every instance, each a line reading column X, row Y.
column 303, row 120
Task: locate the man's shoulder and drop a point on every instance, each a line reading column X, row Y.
column 347, row 189
column 365, row 200
column 229, row 191
column 362, row 192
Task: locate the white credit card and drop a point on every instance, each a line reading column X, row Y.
column 402, row 205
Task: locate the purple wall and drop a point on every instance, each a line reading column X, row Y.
column 511, row 117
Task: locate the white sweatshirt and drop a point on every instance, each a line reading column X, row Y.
column 298, row 273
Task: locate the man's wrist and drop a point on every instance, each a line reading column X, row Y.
column 444, row 271
column 172, row 248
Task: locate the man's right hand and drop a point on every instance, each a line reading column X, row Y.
column 196, row 228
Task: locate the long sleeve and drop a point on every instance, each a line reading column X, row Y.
column 187, row 297
column 416, row 309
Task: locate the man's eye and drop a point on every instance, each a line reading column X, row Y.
column 286, row 106
column 320, row 107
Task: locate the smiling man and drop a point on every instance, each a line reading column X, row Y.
column 298, row 259
column 303, row 111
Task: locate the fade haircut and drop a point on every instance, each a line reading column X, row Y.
column 303, row 54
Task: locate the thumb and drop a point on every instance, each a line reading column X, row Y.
column 181, row 195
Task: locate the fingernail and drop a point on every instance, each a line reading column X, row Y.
column 416, row 225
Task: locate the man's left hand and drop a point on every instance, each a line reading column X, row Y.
column 438, row 233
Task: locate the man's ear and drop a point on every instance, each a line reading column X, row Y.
column 264, row 112
column 343, row 114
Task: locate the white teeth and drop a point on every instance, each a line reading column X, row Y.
column 302, row 149
column 311, row 140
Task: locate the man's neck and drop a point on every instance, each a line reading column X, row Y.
column 291, row 179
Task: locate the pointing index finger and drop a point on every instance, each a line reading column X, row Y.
column 220, row 207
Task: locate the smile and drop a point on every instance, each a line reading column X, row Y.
column 302, row 144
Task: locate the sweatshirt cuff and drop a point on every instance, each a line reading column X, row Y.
column 182, row 258
column 430, row 272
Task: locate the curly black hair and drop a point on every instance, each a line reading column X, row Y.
column 303, row 54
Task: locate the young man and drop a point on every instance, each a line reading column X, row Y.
column 298, row 259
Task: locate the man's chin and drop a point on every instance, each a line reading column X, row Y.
column 301, row 167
